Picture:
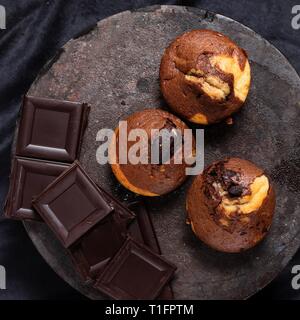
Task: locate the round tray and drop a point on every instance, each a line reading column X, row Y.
column 115, row 68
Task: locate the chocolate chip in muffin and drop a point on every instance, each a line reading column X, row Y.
column 229, row 177
column 235, row 190
column 157, row 143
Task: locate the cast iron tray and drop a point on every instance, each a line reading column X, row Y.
column 114, row 67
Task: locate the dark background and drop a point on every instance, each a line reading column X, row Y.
column 35, row 29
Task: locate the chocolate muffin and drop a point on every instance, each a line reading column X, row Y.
column 148, row 178
column 204, row 76
column 230, row 205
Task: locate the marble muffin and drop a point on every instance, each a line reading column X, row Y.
column 150, row 179
column 204, row 76
column 230, row 205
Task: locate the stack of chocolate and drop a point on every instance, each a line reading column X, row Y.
column 49, row 139
column 113, row 247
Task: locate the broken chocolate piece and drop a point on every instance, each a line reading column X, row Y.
column 135, row 273
column 91, row 254
column 28, row 179
column 141, row 230
column 72, row 205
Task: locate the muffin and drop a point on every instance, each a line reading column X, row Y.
column 230, row 205
column 146, row 178
column 204, row 76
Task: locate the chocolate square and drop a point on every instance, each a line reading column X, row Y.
column 29, row 178
column 51, row 129
column 135, row 272
column 141, row 230
column 91, row 254
column 72, row 205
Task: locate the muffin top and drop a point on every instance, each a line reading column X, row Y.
column 148, row 178
column 231, row 204
column 204, row 76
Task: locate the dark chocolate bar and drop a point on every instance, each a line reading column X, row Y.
column 28, row 179
column 101, row 243
column 71, row 205
column 141, row 230
column 135, row 272
column 51, row 129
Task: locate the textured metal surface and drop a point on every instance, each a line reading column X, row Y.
column 114, row 67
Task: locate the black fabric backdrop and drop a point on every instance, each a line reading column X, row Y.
column 35, row 29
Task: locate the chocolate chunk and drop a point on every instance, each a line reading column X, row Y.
column 213, row 173
column 157, row 144
column 28, row 179
column 95, row 249
column 92, row 252
column 72, row 205
column 135, row 273
column 141, row 230
column 235, row 190
column 229, row 178
column 51, row 129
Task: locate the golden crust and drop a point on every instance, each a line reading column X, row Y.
column 120, row 175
